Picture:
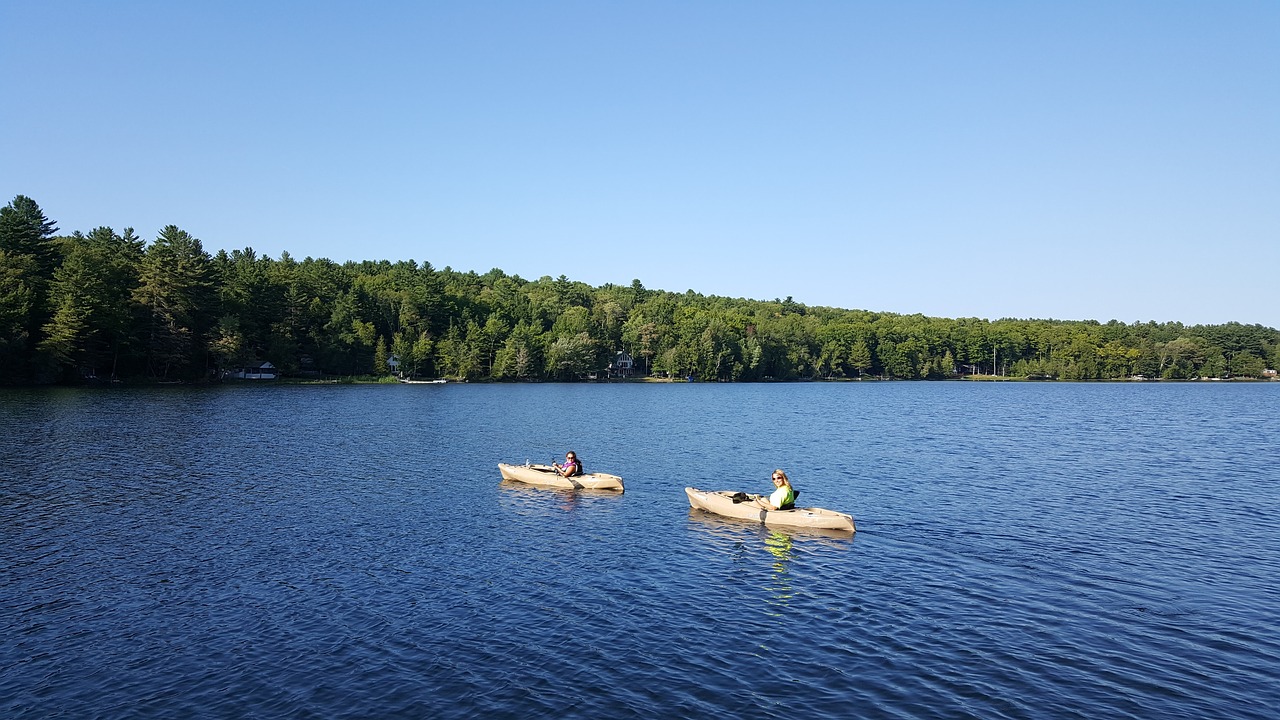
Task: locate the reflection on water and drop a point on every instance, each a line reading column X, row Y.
column 778, row 544
column 721, row 525
column 533, row 499
column 767, row 556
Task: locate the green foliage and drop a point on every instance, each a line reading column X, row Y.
column 92, row 320
column 28, row 258
column 24, row 230
column 177, row 294
column 570, row 357
column 380, row 358
column 106, row 304
column 17, row 297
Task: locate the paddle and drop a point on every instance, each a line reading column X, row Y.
column 560, row 468
column 741, row 497
column 560, row 471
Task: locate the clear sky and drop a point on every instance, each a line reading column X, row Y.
column 1072, row 160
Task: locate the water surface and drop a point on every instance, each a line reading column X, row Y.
column 1023, row 550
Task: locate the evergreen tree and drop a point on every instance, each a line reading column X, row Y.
column 380, row 358
column 92, row 324
column 17, row 298
column 104, row 303
column 24, row 230
column 176, row 292
column 26, row 270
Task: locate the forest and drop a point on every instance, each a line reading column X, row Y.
column 106, row 306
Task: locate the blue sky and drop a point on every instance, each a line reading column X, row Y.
column 992, row 159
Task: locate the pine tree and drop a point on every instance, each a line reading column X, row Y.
column 177, row 296
column 29, row 259
column 91, row 321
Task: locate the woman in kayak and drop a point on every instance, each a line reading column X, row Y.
column 572, row 466
column 783, row 496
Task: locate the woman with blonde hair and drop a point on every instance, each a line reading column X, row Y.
column 783, row 496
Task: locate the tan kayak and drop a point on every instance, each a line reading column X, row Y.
column 546, row 476
column 721, row 502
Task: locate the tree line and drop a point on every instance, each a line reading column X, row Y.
column 103, row 304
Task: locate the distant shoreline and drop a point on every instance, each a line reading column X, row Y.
column 132, row 384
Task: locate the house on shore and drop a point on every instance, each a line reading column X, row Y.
column 257, row 371
column 622, row 366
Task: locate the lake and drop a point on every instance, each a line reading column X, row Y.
column 1023, row 551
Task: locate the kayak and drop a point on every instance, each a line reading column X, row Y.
column 721, row 502
column 546, row 476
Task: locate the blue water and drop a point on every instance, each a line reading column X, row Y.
column 1023, row 551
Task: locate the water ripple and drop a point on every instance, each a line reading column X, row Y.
column 1088, row 551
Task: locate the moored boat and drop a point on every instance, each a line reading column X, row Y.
column 741, row 506
column 546, row 476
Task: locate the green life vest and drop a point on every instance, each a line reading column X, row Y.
column 786, row 495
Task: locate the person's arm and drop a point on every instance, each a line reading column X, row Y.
column 776, row 500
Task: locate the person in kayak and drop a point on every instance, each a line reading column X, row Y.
column 783, row 496
column 572, row 465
